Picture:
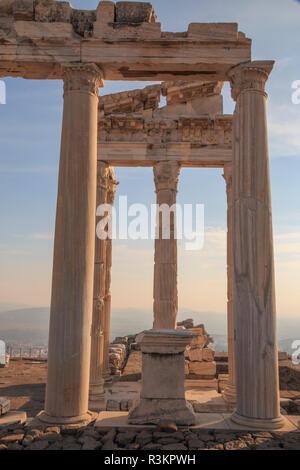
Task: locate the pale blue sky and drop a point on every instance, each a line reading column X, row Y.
column 30, row 125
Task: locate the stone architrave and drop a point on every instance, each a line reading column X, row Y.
column 229, row 393
column 257, row 383
column 163, row 395
column 165, row 294
column 74, row 249
column 111, row 192
column 96, row 393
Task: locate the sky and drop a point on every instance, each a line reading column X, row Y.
column 30, row 127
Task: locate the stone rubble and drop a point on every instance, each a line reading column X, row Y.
column 119, row 352
column 199, row 356
column 27, row 437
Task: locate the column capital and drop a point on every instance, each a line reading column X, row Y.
column 251, row 76
column 86, row 78
column 166, row 175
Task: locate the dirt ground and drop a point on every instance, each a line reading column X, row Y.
column 23, row 383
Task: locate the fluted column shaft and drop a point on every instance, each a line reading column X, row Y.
column 74, row 246
column 253, row 259
column 229, row 393
column 165, row 294
column 96, row 395
column 111, row 192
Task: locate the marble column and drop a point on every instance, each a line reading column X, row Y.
column 229, row 393
column 111, row 192
column 165, row 295
column 258, row 404
column 96, row 394
column 74, row 247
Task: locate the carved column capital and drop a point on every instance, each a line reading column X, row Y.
column 86, row 78
column 166, row 175
column 251, row 76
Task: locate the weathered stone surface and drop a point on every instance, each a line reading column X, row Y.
column 195, row 354
column 11, row 438
column 4, row 406
column 167, row 426
column 23, row 10
column 105, row 12
column 195, row 444
column 52, row 11
column 202, row 369
column 134, row 12
column 113, row 405
column 89, row 443
column 125, row 438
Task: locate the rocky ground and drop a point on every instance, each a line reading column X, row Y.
column 30, row 437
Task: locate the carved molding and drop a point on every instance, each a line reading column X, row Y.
column 166, row 175
column 86, row 78
column 250, row 77
column 203, row 131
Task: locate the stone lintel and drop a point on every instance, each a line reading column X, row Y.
column 36, row 37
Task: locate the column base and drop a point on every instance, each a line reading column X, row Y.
column 258, row 424
column 229, row 394
column 67, row 421
column 151, row 411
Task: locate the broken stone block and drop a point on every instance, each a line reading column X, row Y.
column 4, row 406
column 83, row 22
column 50, row 11
column 213, row 30
column 199, row 341
column 105, row 12
column 134, row 12
column 203, row 369
column 208, row 354
column 113, row 405
column 23, row 10
column 189, row 323
column 195, row 354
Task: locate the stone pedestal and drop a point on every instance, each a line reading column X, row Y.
column 74, row 247
column 165, row 294
column 253, row 260
column 162, row 394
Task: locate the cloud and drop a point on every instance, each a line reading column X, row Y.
column 288, row 244
column 42, row 236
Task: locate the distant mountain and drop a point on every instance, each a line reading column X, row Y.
column 6, row 306
column 29, row 326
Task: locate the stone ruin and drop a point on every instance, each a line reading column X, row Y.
column 46, row 39
column 199, row 356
